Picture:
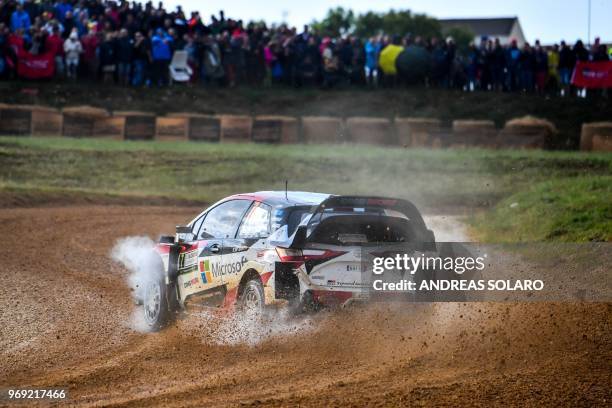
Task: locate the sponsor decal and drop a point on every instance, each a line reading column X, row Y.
column 191, row 283
column 209, row 270
column 188, row 259
column 317, row 278
column 331, row 282
column 205, row 274
column 352, row 268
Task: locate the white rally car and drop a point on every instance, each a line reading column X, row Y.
column 249, row 250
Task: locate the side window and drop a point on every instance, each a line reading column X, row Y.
column 256, row 224
column 222, row 221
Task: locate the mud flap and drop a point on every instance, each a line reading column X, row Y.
column 286, row 283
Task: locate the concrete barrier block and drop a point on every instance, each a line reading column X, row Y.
column 171, row 128
column 46, row 121
column 376, row 131
column 526, row 133
column 138, row 125
column 466, row 133
column 236, row 128
column 16, row 120
column 79, row 121
column 596, row 136
column 322, row 129
column 417, row 132
column 275, row 129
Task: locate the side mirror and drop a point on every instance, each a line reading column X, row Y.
column 183, row 233
column 299, row 239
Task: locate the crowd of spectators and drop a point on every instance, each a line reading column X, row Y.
column 132, row 44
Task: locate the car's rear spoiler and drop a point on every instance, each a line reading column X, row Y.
column 397, row 204
column 349, row 203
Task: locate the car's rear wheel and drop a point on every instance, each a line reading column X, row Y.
column 252, row 299
column 155, row 304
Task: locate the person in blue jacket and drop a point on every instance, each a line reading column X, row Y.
column 20, row 19
column 161, row 53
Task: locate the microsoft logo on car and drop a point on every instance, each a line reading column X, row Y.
column 205, row 271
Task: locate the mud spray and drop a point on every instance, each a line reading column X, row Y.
column 137, row 255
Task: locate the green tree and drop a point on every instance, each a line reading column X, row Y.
column 337, row 22
column 369, row 24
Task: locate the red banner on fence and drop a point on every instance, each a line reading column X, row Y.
column 593, row 74
column 31, row 66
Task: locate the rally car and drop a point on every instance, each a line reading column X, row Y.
column 256, row 249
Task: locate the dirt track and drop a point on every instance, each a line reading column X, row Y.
column 66, row 313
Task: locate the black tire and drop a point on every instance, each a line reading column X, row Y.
column 155, row 306
column 252, row 298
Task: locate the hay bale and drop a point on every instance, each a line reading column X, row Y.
column 376, row 131
column 275, row 129
column 201, row 128
column 418, row 132
column 171, row 128
column 79, row 121
column 46, row 121
column 527, row 132
column 236, row 128
column 474, row 133
column 111, row 127
column 16, row 120
column 138, row 125
column 600, row 132
column 602, row 143
column 322, row 129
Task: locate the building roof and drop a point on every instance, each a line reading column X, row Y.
column 482, row 26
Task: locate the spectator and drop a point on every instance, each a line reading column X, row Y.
column 55, row 46
column 372, row 50
column 73, row 50
column 140, row 58
column 161, row 54
column 125, row 49
column 20, row 20
column 108, row 58
column 541, row 67
column 567, row 61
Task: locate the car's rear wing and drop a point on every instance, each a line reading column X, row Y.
column 365, row 204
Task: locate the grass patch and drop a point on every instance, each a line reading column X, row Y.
column 563, row 184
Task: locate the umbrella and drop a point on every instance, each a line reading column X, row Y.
column 413, row 64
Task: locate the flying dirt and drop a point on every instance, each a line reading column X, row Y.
column 68, row 321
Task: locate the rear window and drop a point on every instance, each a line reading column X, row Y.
column 355, row 230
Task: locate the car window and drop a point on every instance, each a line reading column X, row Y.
column 222, row 221
column 256, row 224
column 195, row 227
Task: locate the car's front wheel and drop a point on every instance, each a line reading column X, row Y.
column 155, row 304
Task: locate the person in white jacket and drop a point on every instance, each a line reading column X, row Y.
column 72, row 49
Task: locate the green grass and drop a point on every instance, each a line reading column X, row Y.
column 561, row 195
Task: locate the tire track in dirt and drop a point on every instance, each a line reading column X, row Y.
column 65, row 314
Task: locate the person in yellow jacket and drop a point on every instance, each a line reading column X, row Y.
column 386, row 60
column 553, row 66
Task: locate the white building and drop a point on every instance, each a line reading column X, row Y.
column 504, row 28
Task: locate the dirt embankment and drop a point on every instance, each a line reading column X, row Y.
column 66, row 319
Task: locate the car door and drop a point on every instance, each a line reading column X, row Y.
column 254, row 226
column 219, row 224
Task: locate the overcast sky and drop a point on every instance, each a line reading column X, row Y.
column 548, row 20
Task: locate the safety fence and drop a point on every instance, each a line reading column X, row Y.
column 86, row 121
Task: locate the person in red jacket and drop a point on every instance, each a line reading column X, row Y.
column 55, row 46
